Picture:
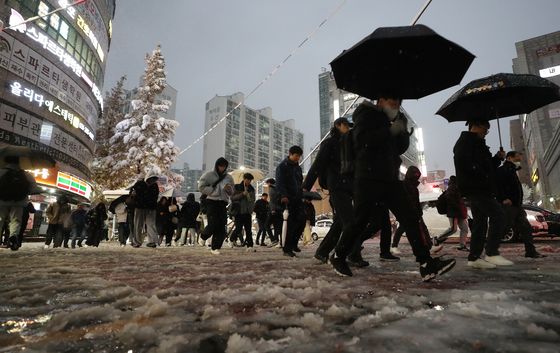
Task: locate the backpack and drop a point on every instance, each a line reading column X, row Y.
column 441, row 203
column 14, row 185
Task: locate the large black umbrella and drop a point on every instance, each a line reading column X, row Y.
column 498, row 96
column 28, row 158
column 407, row 62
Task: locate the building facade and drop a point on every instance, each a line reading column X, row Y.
column 541, row 56
column 249, row 137
column 52, row 72
column 517, row 143
column 190, row 184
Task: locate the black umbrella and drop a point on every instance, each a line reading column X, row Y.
column 498, row 96
column 407, row 62
column 113, row 205
column 28, row 158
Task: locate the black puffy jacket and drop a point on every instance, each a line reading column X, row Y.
column 475, row 167
column 509, row 186
column 377, row 152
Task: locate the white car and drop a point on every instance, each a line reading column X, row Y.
column 321, row 228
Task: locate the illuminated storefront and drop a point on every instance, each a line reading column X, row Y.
column 52, row 71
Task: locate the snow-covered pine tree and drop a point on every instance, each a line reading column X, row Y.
column 103, row 174
column 148, row 137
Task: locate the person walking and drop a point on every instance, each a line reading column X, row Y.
column 217, row 185
column 187, row 221
column 380, row 137
column 289, row 180
column 410, row 183
column 510, row 195
column 274, row 217
column 476, row 176
column 457, row 215
column 95, row 222
column 15, row 186
column 121, row 212
column 56, row 213
column 243, row 201
column 27, row 211
column 163, row 220
column 145, row 194
column 261, row 210
column 78, row 225
column 333, row 167
column 309, row 211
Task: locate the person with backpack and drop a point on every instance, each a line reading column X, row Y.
column 217, row 185
column 333, row 166
column 56, row 213
column 261, row 210
column 451, row 204
column 243, row 201
column 78, row 217
column 380, row 136
column 475, row 169
column 15, row 186
column 187, row 221
column 145, row 194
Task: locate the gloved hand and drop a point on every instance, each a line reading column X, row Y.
column 399, row 126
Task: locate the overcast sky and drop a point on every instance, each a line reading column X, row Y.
column 223, row 46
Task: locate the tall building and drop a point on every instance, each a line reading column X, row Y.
column 435, row 175
column 191, row 178
column 541, row 56
column 51, row 71
column 169, row 94
column 334, row 102
column 249, row 137
column 517, row 143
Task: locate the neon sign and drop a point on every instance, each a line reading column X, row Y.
column 73, row 119
column 73, row 184
column 16, row 20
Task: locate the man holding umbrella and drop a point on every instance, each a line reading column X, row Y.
column 476, row 176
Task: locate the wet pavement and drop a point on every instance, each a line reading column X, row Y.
column 113, row 299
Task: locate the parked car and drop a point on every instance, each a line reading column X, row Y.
column 552, row 218
column 321, row 228
column 538, row 225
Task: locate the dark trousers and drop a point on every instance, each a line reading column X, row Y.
column 296, row 224
column 263, row 230
column 66, row 236
column 243, row 221
column 516, row 219
column 77, row 233
column 367, row 195
column 424, row 233
column 54, row 232
column 216, row 213
column 123, row 232
column 488, row 217
column 380, row 222
column 275, row 220
column 94, row 235
column 341, row 203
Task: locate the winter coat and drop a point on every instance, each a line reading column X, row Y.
column 377, row 152
column 95, row 219
column 261, row 209
column 289, row 179
column 145, row 196
column 242, row 204
column 79, row 217
column 475, row 167
column 274, row 203
column 57, row 213
column 509, row 186
column 210, row 184
column 163, row 216
column 189, row 213
column 121, row 211
column 411, row 187
column 32, row 186
column 334, row 152
column 455, row 205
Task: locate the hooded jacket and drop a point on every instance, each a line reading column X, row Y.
column 509, row 186
column 289, row 178
column 411, row 182
column 212, row 184
column 145, row 196
column 189, row 213
column 377, row 152
column 475, row 167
